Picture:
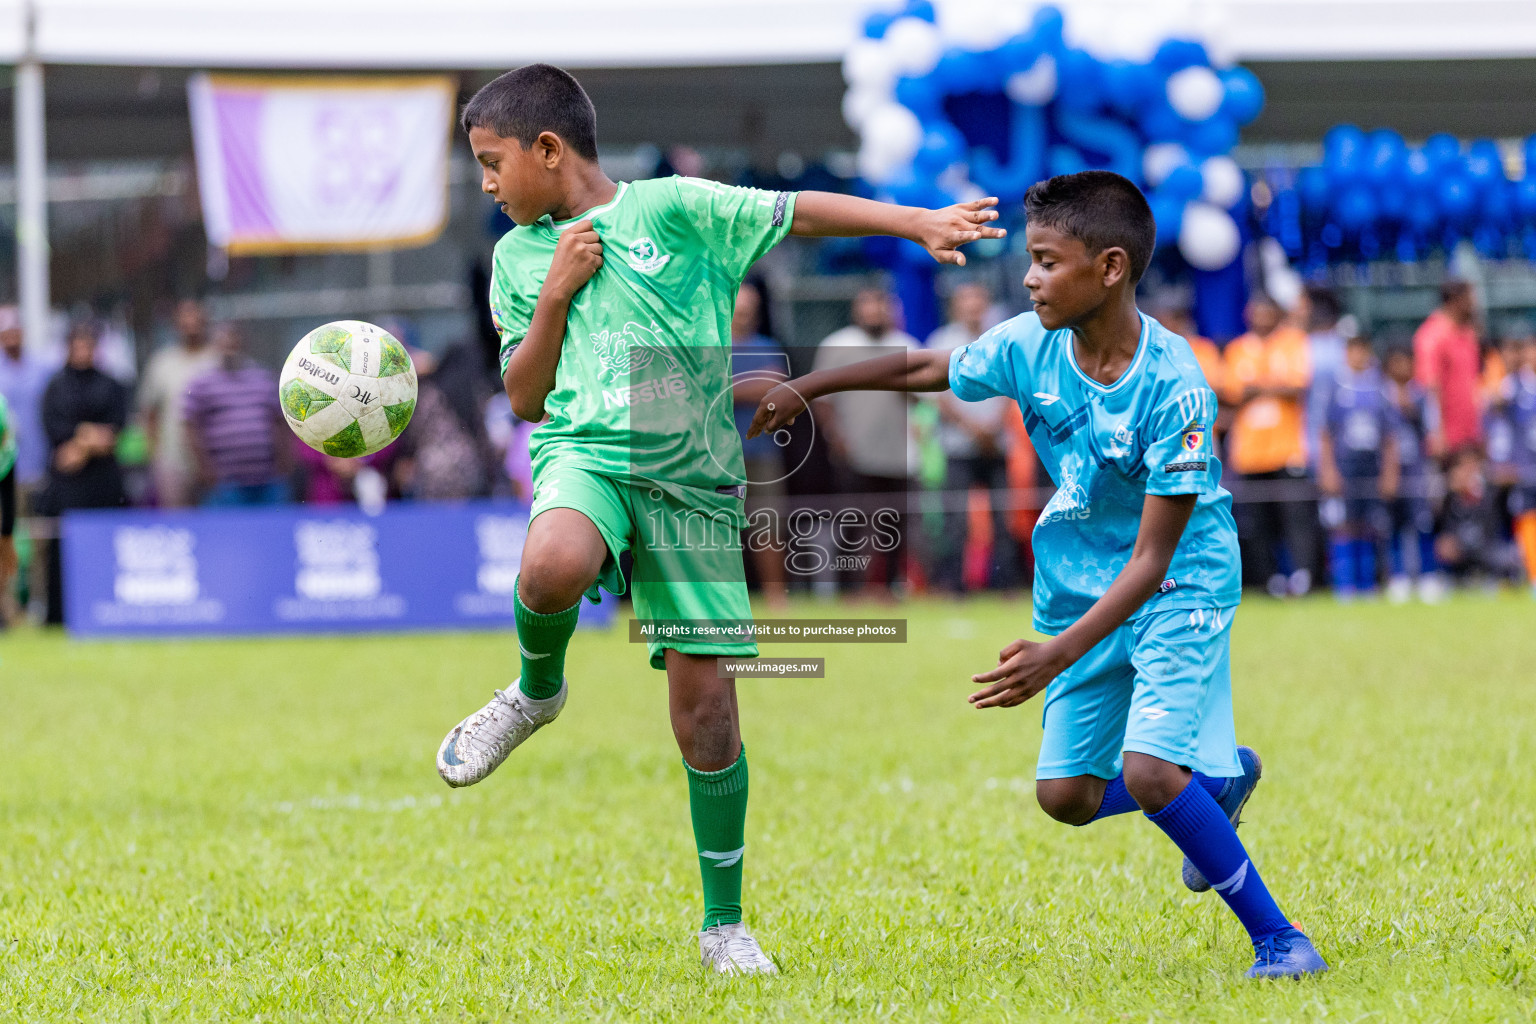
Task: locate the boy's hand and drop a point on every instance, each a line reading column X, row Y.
column 578, row 255
column 778, row 408
column 942, row 232
column 1024, row 668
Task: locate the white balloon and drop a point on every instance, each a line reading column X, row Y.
column 1282, row 283
column 860, row 101
column 1036, row 85
column 976, row 25
column 876, row 164
column 1222, row 181
column 914, row 45
column 1196, row 93
column 869, row 63
column 1161, row 159
column 893, row 130
column 1208, row 237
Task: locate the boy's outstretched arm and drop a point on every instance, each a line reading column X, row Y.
column 941, row 232
column 1025, row 667
column 916, row 370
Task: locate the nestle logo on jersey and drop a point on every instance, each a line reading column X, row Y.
column 650, row 391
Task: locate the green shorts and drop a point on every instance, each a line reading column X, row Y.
column 686, row 544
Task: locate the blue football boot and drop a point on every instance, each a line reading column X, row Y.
column 1286, row 954
column 1232, row 800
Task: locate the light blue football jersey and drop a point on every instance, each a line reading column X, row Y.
column 1107, row 447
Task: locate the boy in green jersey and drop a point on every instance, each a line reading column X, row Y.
column 614, row 306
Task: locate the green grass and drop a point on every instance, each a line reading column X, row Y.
column 253, row 830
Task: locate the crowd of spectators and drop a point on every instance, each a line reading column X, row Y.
column 1408, row 468
column 1403, row 468
column 201, row 426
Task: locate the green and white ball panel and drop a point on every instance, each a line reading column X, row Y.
column 348, row 388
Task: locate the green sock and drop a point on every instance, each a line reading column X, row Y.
column 542, row 640
column 718, row 801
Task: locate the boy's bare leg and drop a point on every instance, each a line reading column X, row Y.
column 562, row 556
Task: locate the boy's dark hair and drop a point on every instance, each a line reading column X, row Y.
column 532, row 99
column 1326, row 307
column 1098, row 208
column 1453, row 289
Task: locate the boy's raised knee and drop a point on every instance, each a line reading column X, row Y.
column 1071, row 801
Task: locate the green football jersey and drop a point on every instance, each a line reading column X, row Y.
column 643, row 388
column 7, row 438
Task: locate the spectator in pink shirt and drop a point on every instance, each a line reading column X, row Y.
column 1448, row 363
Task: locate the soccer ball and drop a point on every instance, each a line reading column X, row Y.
column 348, row 388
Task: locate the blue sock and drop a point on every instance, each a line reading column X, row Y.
column 1427, row 561
column 1365, row 564
column 1198, row 827
column 1395, row 546
column 1341, row 564
column 1118, row 801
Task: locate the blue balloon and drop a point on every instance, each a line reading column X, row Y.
column 959, row 71
column 1419, row 171
column 921, row 96
column 1130, row 88
column 1385, row 156
column 1093, row 134
column 1245, row 95
column 910, row 189
column 1444, row 151
column 1455, row 197
column 1392, row 197
column 1485, row 165
column 1525, row 197
column 1344, row 153
column 1211, row 138
column 1168, row 213
column 1183, row 183
column 920, row 9
column 1061, row 159
column 876, row 24
column 942, row 146
column 1178, row 54
column 1020, row 52
column 1497, row 206
column 1079, row 81
column 1356, row 209
column 1313, row 187
column 1161, row 123
column 1423, row 215
column 1046, row 26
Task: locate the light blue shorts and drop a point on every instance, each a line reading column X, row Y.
column 1160, row 685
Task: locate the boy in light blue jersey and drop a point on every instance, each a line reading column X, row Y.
column 1137, row 572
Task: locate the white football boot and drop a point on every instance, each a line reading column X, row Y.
column 731, row 949
column 477, row 746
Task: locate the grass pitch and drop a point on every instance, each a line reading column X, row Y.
column 253, row 830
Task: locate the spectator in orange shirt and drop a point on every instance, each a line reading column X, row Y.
column 1176, row 318
column 1448, row 363
column 1266, row 377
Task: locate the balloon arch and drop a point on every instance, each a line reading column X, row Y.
column 977, row 99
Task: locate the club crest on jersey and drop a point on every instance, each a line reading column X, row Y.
column 644, row 256
column 1194, row 436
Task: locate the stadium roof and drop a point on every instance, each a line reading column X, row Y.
column 647, row 33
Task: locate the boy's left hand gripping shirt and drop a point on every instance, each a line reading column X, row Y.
column 643, row 387
column 1107, row 448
